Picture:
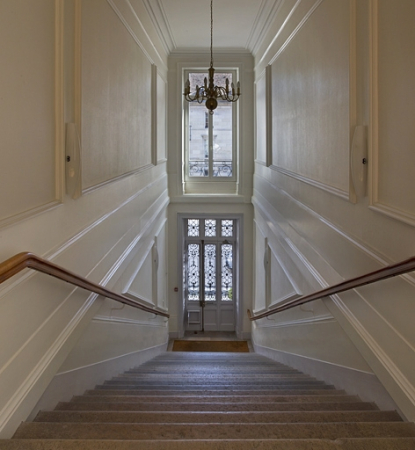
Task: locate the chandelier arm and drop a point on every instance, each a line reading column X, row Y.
column 208, row 91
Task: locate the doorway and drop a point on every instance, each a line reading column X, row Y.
column 210, row 274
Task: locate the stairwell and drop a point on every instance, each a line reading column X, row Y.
column 214, row 401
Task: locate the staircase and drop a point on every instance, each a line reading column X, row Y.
column 221, row 401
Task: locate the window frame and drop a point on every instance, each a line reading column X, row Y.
column 210, row 183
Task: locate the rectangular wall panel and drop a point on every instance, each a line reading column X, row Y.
column 311, row 99
column 27, row 107
column 161, row 119
column 116, row 97
column 393, row 108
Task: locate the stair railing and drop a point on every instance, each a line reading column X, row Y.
column 393, row 270
column 27, row 260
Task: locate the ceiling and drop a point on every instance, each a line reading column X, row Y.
column 238, row 25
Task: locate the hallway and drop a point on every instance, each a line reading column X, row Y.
column 98, row 176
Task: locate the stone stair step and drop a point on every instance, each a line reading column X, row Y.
column 283, row 444
column 130, row 431
column 260, row 390
column 214, row 401
column 215, row 392
column 217, row 417
column 214, row 398
column 226, row 391
column 207, row 380
column 211, row 375
column 263, row 406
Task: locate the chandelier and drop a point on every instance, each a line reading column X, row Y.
column 209, row 91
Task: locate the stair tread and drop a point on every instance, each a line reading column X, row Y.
column 160, row 431
column 217, row 406
column 234, row 444
column 216, row 398
column 218, row 417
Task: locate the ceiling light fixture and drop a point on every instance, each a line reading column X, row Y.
column 210, row 92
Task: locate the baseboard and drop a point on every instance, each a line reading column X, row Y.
column 354, row 382
column 76, row 382
column 244, row 335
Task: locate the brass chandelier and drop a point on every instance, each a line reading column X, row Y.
column 209, row 91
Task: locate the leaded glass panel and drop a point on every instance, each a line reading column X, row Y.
column 227, row 228
column 193, row 277
column 193, row 227
column 210, row 272
column 210, row 228
column 226, row 275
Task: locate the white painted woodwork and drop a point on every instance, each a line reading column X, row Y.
column 310, row 99
column 393, row 137
column 102, row 235
column 261, row 270
column 161, row 119
column 302, row 208
column 29, row 106
column 116, row 109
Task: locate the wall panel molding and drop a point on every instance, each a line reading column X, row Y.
column 382, row 146
column 56, row 120
column 316, row 320
column 326, row 134
column 115, row 115
column 126, row 321
column 325, row 187
column 263, row 118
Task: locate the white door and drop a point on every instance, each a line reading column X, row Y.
column 209, row 274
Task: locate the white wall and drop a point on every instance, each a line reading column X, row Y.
column 335, row 64
column 56, row 70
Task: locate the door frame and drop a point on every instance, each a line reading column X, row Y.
column 238, row 218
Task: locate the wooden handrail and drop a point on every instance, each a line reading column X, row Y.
column 27, row 260
column 382, row 274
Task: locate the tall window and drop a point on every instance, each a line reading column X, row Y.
column 209, row 138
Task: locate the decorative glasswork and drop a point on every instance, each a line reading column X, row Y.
column 226, row 275
column 193, row 227
column 193, row 275
column 210, row 272
column 210, row 228
column 227, row 228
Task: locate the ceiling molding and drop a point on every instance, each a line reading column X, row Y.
column 161, row 24
column 266, row 16
column 257, row 19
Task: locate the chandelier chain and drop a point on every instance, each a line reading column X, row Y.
column 209, row 92
column 211, row 33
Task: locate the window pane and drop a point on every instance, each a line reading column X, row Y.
column 222, row 140
column 198, row 141
column 226, row 265
column 193, row 276
column 210, row 272
column 193, row 227
column 227, row 228
column 210, row 146
column 210, row 228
